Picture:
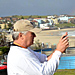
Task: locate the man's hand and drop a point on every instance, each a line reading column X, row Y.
column 63, row 43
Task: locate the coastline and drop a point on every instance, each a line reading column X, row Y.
column 53, row 39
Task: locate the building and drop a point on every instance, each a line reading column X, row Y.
column 55, row 20
column 64, row 18
column 49, row 17
column 3, row 26
column 35, row 23
column 71, row 20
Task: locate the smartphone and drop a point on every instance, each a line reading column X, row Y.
column 64, row 36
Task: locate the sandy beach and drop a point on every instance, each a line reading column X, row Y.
column 51, row 37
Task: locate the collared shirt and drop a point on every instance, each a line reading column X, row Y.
column 23, row 61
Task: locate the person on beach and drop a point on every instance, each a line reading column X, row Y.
column 24, row 61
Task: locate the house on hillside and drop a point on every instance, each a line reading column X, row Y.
column 64, row 18
column 35, row 23
column 7, row 19
column 50, row 16
column 15, row 19
column 39, row 21
column 55, row 20
column 46, row 20
column 71, row 20
column 3, row 26
column 1, row 18
column 45, row 26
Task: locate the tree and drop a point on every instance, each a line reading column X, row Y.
column 30, row 16
column 22, row 17
column 39, row 16
column 1, row 52
column 2, row 38
column 38, row 45
column 4, row 50
column 5, row 26
column 10, row 25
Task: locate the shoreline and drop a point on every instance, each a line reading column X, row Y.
column 53, row 39
column 67, row 29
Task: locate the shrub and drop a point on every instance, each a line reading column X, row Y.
column 1, row 52
column 4, row 49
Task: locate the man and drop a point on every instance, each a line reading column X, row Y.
column 24, row 61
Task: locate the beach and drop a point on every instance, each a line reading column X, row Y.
column 52, row 37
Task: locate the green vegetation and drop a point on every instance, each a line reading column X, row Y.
column 65, row 72
column 22, row 17
column 30, row 16
column 2, row 38
column 64, row 25
column 4, row 50
column 1, row 52
column 10, row 25
column 5, row 27
column 37, row 45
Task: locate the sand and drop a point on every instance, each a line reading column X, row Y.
column 51, row 37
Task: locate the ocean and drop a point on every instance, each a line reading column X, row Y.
column 60, row 33
column 70, row 33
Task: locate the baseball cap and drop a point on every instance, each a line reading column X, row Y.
column 25, row 25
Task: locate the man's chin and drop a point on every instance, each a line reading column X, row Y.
column 31, row 43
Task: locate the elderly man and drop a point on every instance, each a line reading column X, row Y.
column 24, row 61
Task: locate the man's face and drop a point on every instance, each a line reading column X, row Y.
column 30, row 38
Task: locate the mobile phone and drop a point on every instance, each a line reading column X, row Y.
column 65, row 50
column 64, row 36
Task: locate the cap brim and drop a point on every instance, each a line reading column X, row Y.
column 36, row 30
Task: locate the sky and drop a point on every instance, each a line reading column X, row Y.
column 36, row 7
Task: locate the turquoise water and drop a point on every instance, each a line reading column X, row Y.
column 67, row 62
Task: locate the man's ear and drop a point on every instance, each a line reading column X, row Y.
column 20, row 35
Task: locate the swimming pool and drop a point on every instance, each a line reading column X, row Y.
column 67, row 62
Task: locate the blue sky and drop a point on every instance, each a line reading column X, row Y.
column 36, row 7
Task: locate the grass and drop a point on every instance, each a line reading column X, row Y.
column 65, row 25
column 58, row 72
column 31, row 16
column 65, row 72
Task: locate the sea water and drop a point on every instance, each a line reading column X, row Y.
column 70, row 33
column 60, row 33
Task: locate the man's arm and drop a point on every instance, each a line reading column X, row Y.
column 50, row 67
